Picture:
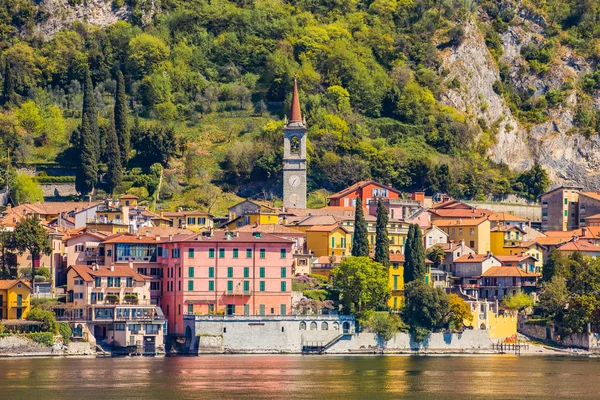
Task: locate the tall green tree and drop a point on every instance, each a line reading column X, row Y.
column 414, row 256
column 360, row 241
column 382, row 245
column 30, row 236
column 553, row 265
column 24, row 189
column 90, row 110
column 362, row 283
column 121, row 120
column 114, row 174
column 87, row 170
column 8, row 84
column 426, row 309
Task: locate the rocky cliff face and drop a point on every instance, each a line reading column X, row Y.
column 568, row 157
column 61, row 13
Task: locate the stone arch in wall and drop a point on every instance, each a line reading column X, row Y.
column 313, row 326
column 302, row 326
column 324, row 326
column 482, row 327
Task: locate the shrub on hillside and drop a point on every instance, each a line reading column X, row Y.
column 47, row 319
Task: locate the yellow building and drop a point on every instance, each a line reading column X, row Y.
column 396, row 280
column 475, row 232
column 504, row 238
column 128, row 200
column 15, row 296
column 194, row 220
column 328, row 240
column 499, row 324
column 253, row 219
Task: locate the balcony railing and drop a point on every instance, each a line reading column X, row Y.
column 237, row 292
column 19, row 304
column 470, row 286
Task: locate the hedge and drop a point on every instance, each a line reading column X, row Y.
column 55, row 179
column 45, row 338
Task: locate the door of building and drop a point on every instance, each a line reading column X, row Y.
column 149, row 344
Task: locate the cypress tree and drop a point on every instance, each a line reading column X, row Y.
column 382, row 246
column 89, row 109
column 414, row 256
column 121, row 120
column 8, row 85
column 87, row 172
column 360, row 241
column 114, row 175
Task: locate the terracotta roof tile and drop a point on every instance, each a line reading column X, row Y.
column 504, row 216
column 460, row 222
column 87, row 273
column 579, row 245
column 8, row 283
column 271, row 228
column 508, row 272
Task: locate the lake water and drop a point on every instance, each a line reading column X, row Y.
column 301, row 377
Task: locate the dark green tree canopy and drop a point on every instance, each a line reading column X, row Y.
column 382, row 244
column 360, row 242
column 30, row 236
column 414, row 256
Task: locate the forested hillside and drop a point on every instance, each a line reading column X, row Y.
column 442, row 95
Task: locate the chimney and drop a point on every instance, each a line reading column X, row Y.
column 584, row 231
column 295, row 112
column 462, row 242
column 125, row 211
column 489, row 254
column 575, row 238
column 451, row 244
column 170, row 237
column 130, row 265
column 148, row 233
column 112, row 267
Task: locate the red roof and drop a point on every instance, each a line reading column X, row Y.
column 8, row 283
column 129, row 238
column 579, row 245
column 87, row 272
column 459, row 222
column 459, row 213
column 508, row 272
column 295, row 113
column 359, row 185
column 129, row 196
column 472, row 258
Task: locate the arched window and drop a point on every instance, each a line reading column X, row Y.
column 482, row 327
column 346, row 327
column 302, row 326
column 324, row 326
column 313, row 326
column 336, row 326
column 295, row 144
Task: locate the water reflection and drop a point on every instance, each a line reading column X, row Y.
column 297, row 377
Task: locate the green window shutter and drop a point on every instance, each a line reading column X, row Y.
column 283, row 286
column 235, row 253
column 230, row 272
column 283, row 253
column 221, row 253
column 246, row 272
column 395, row 282
column 262, row 286
column 246, row 286
column 262, row 272
column 246, row 309
column 190, row 285
column 191, row 253
column 262, row 309
column 191, row 272
column 248, row 253
column 211, row 253
column 211, row 272
column 262, row 253
column 332, row 242
column 282, row 309
column 211, row 285
column 230, row 285
column 190, row 308
column 283, row 272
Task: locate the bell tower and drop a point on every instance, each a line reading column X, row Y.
column 294, row 156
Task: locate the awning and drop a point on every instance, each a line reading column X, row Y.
column 91, row 245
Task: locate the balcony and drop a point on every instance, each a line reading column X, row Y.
column 237, row 292
column 19, row 304
column 470, row 286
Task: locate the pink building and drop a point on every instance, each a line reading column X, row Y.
column 235, row 273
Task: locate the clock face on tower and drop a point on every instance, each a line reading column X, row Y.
column 294, row 180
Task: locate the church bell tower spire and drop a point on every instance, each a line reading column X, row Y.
column 294, row 156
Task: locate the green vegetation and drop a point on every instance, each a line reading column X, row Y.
column 429, row 309
column 382, row 244
column 30, row 236
column 360, row 239
column 363, row 285
column 43, row 338
column 414, row 253
column 47, row 319
column 64, row 329
column 569, row 296
column 203, row 87
column 518, row 302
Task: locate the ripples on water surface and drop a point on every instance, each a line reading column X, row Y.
column 301, row 377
